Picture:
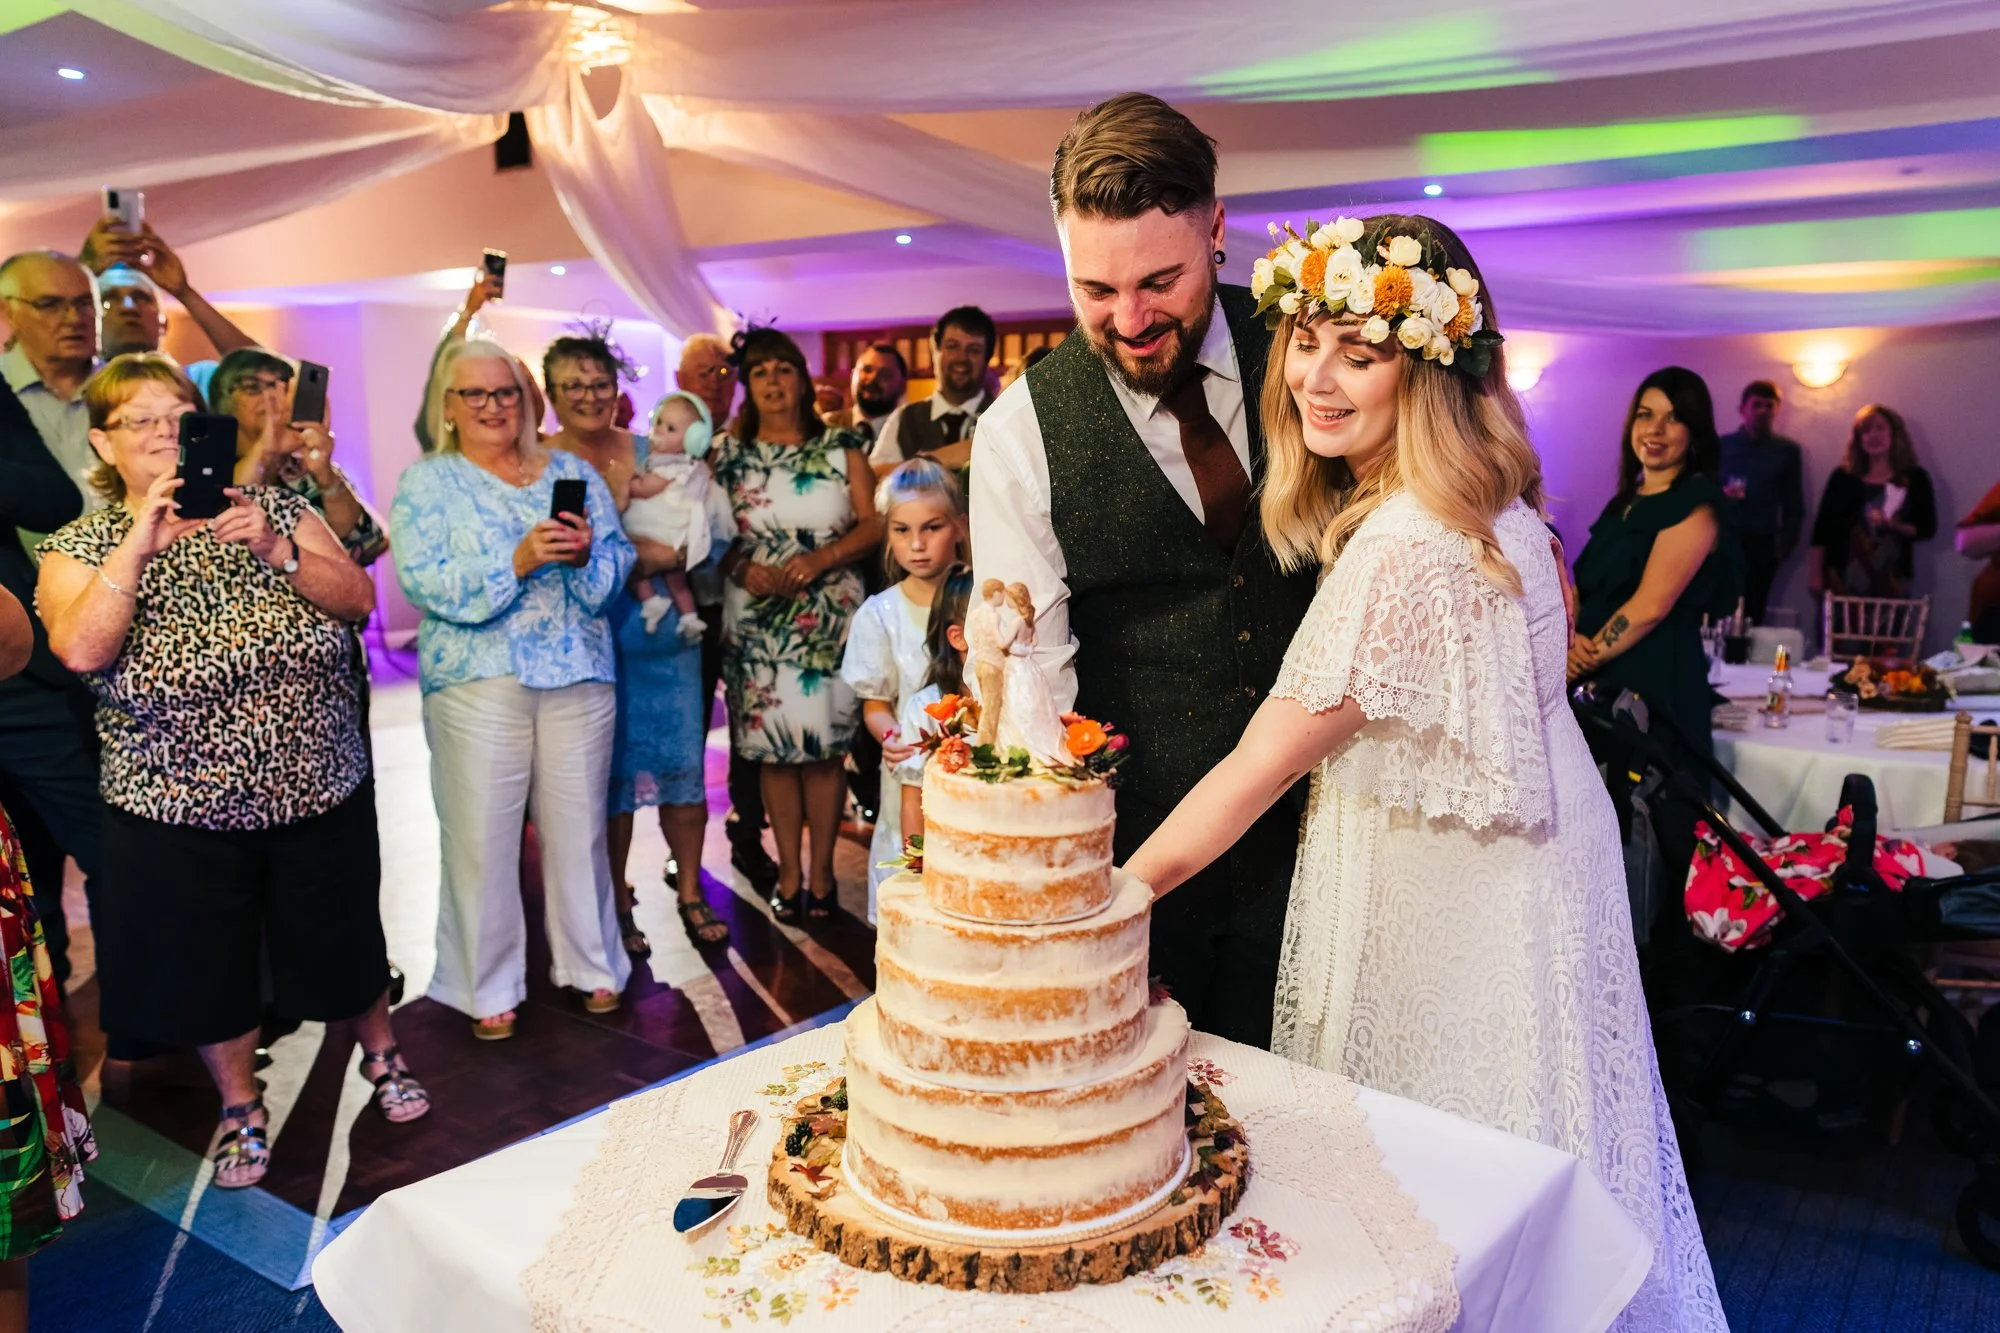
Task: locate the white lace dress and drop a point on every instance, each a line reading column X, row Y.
column 1459, row 931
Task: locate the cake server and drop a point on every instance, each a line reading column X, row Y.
column 713, row 1195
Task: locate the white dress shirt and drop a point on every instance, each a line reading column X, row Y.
column 63, row 426
column 1013, row 531
column 888, row 449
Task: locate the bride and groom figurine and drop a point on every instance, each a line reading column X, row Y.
column 1017, row 709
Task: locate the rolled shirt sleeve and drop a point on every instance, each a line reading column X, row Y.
column 1013, row 530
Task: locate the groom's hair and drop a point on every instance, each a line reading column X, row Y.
column 1129, row 156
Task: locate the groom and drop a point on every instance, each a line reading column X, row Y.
column 1116, row 480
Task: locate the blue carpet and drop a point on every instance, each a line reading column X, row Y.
column 120, row 1269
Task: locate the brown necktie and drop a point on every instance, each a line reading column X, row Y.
column 1218, row 473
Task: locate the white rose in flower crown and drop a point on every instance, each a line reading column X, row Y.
column 1326, row 238
column 1289, row 303
column 1415, row 332
column 1438, row 349
column 1376, row 329
column 1437, row 302
column 1361, row 292
column 1403, row 251
column 1348, row 229
column 1343, row 268
column 1462, row 282
column 1478, row 316
column 1262, row 274
column 1295, row 255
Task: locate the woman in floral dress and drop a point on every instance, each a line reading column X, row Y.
column 805, row 514
column 44, row 1135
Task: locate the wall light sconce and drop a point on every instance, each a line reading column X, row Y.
column 1819, row 372
column 1524, row 375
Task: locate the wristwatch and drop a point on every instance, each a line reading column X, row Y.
column 291, row 564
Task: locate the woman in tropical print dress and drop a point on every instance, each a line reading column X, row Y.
column 804, row 501
column 44, row 1135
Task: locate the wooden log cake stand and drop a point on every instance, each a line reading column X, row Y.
column 806, row 1187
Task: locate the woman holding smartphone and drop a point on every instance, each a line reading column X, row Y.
column 518, row 679
column 239, row 843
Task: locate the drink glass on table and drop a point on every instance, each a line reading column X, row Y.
column 1841, row 712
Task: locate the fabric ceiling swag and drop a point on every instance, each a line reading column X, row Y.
column 880, row 56
column 614, row 179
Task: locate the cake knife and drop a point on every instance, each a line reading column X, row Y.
column 713, row 1195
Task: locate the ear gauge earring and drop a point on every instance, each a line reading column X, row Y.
column 1221, row 258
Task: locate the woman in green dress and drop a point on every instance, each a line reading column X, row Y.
column 804, row 499
column 1660, row 557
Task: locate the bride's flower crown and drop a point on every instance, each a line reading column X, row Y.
column 1434, row 311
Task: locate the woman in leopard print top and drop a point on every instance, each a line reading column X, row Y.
column 240, row 823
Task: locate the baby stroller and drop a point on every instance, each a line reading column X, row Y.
column 1824, row 1031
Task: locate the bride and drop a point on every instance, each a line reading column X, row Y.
column 1458, row 931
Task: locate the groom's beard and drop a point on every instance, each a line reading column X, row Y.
column 1164, row 370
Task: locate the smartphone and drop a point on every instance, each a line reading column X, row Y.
column 128, row 206
column 571, row 497
column 309, row 397
column 208, row 463
column 496, row 268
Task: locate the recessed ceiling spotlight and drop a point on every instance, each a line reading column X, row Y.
column 1433, row 190
column 557, row 269
column 903, row 238
column 68, row 73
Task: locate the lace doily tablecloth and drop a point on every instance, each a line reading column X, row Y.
column 1540, row 1244
column 1324, row 1239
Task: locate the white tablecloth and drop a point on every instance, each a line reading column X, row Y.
column 1540, row 1244
column 1795, row 772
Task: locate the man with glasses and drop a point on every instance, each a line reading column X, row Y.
column 48, row 741
column 132, row 270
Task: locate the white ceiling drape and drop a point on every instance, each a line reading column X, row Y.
column 814, row 92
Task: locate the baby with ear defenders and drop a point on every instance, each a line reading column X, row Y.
column 676, row 502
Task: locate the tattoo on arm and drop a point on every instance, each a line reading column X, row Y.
column 1614, row 631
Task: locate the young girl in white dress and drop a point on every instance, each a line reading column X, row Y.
column 885, row 661
column 946, row 645
column 1458, row 932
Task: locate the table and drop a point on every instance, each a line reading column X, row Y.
column 1795, row 772
column 1539, row 1243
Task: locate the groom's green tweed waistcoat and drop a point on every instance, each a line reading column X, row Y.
column 1177, row 639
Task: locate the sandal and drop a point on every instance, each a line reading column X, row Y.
column 247, row 1147
column 496, row 1028
column 602, row 1001
column 636, row 943
column 786, row 910
column 397, row 1090
column 819, row 906
column 703, row 925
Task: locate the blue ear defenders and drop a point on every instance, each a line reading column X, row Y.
column 700, row 432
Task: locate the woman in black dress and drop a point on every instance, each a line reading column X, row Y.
column 1659, row 558
column 1878, row 504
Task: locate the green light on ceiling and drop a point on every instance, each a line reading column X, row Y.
column 1464, row 151
column 1436, row 55
column 1955, row 234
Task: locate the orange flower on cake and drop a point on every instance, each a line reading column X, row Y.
column 1084, row 738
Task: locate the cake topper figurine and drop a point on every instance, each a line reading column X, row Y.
column 1029, row 719
column 990, row 631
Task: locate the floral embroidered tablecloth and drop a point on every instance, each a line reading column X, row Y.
column 1324, row 1238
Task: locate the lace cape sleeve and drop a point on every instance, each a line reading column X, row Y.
column 1438, row 659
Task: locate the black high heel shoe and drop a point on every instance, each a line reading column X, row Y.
column 819, row 906
column 786, row 910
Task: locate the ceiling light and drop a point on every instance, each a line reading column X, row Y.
column 557, row 269
column 597, row 39
column 1433, row 190
column 903, row 238
column 1819, row 373
column 67, row 73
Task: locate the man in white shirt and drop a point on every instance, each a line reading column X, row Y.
column 131, row 271
column 1116, row 479
column 940, row 427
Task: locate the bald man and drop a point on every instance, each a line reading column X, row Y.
column 48, row 745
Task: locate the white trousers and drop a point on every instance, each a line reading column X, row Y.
column 501, row 752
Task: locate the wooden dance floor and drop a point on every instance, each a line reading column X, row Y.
column 333, row 1154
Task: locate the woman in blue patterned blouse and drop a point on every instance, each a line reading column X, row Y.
column 518, row 673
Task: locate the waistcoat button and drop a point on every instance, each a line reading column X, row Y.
column 1243, row 636
column 1235, row 580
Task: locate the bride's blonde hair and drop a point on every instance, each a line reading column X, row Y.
column 1461, row 443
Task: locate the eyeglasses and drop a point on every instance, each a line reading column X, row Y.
column 476, row 399
column 590, row 389
column 53, row 306
column 169, row 424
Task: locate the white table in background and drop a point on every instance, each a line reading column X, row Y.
column 1795, row 772
column 1540, row 1243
